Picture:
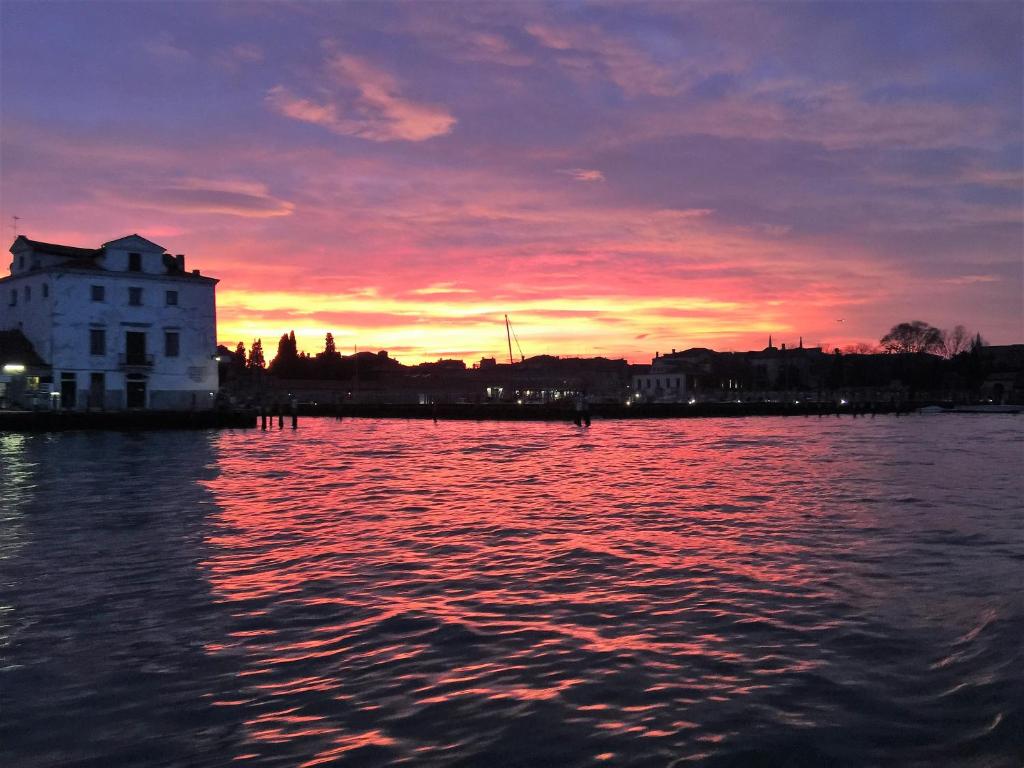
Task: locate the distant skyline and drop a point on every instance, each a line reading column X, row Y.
column 620, row 178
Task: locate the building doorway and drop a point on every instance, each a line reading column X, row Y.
column 68, row 390
column 135, row 391
column 97, row 393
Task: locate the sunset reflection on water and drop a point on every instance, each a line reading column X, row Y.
column 762, row 591
column 643, row 592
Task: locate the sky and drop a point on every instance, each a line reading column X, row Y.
column 619, row 178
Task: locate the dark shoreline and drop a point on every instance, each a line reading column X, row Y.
column 123, row 421
column 559, row 412
column 133, row 421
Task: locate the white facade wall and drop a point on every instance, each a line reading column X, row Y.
column 668, row 387
column 59, row 326
column 30, row 311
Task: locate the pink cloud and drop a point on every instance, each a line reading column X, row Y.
column 583, row 174
column 587, row 52
column 378, row 113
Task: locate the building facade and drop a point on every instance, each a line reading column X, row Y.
column 701, row 374
column 120, row 326
column 671, row 378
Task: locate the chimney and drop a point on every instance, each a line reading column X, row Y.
column 180, row 261
column 673, row 351
column 195, row 272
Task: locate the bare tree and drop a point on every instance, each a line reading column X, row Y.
column 955, row 341
column 862, row 348
column 915, row 336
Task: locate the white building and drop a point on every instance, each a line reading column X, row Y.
column 671, row 379
column 120, row 326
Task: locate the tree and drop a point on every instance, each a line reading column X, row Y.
column 238, row 360
column 256, row 360
column 329, row 348
column 287, row 350
column 913, row 337
column 862, row 348
column 955, row 341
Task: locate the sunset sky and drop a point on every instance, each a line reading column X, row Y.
column 619, row 178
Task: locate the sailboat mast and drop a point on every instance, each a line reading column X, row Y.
column 508, row 334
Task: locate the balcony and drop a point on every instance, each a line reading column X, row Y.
column 134, row 362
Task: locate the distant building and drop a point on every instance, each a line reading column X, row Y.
column 672, row 377
column 1004, row 368
column 703, row 374
column 119, row 326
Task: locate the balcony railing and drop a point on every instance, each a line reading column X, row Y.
column 130, row 360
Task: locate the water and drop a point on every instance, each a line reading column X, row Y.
column 716, row 592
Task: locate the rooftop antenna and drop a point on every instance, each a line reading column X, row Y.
column 15, row 219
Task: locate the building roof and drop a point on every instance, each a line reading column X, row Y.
column 15, row 348
column 88, row 258
column 135, row 240
column 54, row 249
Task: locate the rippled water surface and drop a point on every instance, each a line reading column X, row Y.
column 743, row 592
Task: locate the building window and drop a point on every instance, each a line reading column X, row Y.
column 135, row 297
column 172, row 298
column 98, row 292
column 21, row 262
column 14, row 297
column 46, row 290
column 134, row 262
column 28, row 293
column 170, row 343
column 97, row 341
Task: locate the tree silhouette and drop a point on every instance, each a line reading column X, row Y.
column 861, row 348
column 256, row 360
column 288, row 363
column 239, row 358
column 329, row 345
column 955, row 341
column 915, row 336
